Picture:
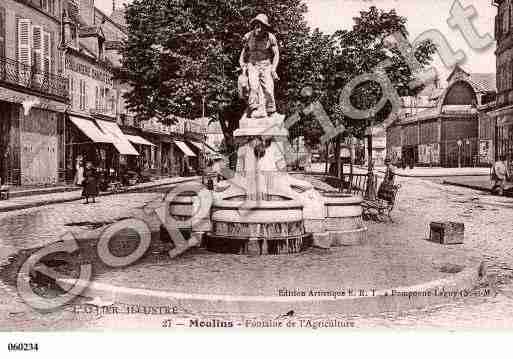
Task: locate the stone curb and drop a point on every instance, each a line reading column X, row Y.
column 441, row 175
column 436, row 175
column 464, row 185
column 78, row 197
column 382, row 302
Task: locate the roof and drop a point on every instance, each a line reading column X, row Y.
column 481, row 82
column 118, row 16
column 422, row 115
column 484, row 82
column 89, row 31
column 456, row 70
column 113, row 45
column 83, row 48
column 107, row 18
column 431, row 91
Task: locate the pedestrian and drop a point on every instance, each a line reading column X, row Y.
column 259, row 61
column 499, row 175
column 370, row 191
column 79, row 171
column 90, row 183
column 386, row 188
column 389, row 172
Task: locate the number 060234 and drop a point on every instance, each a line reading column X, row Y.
column 23, row 347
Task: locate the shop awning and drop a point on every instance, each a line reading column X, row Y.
column 203, row 147
column 185, row 149
column 89, row 128
column 120, row 141
column 139, row 140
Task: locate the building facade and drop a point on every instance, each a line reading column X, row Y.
column 60, row 99
column 502, row 115
column 33, row 93
column 451, row 128
column 92, row 131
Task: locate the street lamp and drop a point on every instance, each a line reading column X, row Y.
column 459, row 143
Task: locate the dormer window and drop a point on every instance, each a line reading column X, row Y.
column 100, row 48
column 47, row 6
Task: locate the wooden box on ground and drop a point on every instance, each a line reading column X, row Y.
column 446, row 232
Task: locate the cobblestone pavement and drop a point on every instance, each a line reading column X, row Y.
column 488, row 236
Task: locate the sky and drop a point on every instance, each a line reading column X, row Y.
column 422, row 15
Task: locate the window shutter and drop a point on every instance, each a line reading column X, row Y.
column 504, row 19
column 510, row 9
column 37, row 46
column 76, row 94
column 46, row 52
column 86, row 105
column 96, row 97
column 70, row 79
column 2, row 32
column 82, row 94
column 24, row 55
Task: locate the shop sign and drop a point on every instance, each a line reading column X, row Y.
column 88, row 70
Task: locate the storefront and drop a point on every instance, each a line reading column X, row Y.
column 186, row 160
column 145, row 148
column 100, row 142
column 454, row 132
column 86, row 140
column 31, row 140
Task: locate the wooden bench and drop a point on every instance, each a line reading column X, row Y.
column 115, row 187
column 382, row 205
column 4, row 192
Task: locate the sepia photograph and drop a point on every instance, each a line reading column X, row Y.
column 311, row 165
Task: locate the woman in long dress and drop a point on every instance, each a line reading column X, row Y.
column 79, row 172
column 90, row 183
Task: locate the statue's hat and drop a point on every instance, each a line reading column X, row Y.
column 261, row 18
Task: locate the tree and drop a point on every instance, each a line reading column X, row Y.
column 182, row 54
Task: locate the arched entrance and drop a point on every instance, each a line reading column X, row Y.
column 459, row 123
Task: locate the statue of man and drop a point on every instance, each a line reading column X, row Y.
column 259, row 60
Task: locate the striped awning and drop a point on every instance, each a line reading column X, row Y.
column 139, row 140
column 185, row 149
column 120, row 141
column 91, row 130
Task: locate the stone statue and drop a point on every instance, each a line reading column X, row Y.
column 259, row 60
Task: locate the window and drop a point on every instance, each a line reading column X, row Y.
column 71, row 91
column 505, row 23
column 96, row 97
column 24, row 41
column 48, row 6
column 45, row 4
column 34, row 47
column 2, row 32
column 83, row 95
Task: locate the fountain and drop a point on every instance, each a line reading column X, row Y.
column 263, row 210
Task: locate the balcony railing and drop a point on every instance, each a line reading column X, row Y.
column 16, row 73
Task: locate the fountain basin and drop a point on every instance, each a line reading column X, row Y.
column 181, row 208
column 343, row 221
column 257, row 227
